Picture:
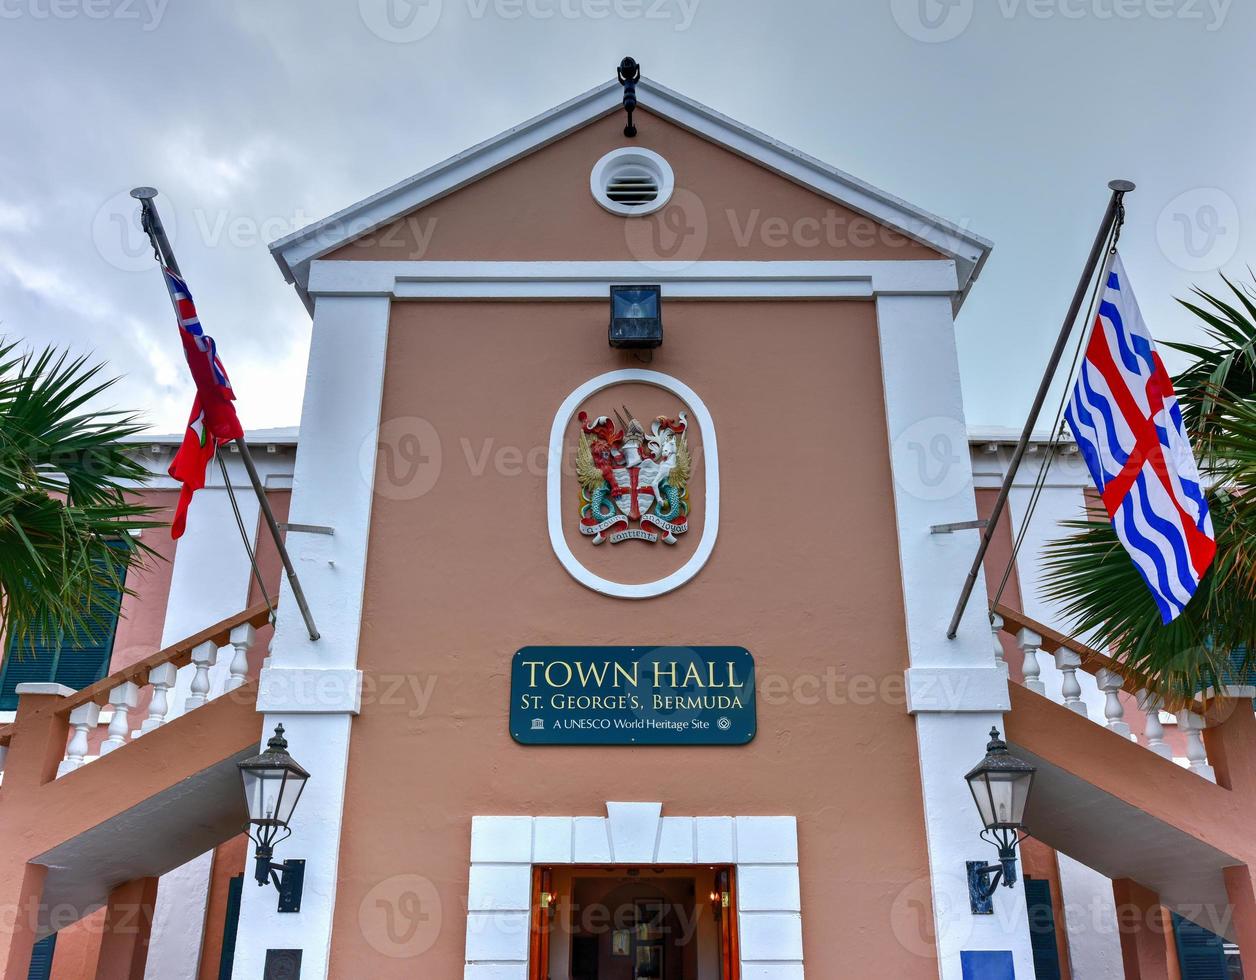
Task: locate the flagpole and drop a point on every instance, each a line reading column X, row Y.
column 150, row 220
column 1111, row 217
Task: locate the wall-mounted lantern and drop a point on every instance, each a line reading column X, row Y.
column 273, row 782
column 1000, row 784
column 636, row 317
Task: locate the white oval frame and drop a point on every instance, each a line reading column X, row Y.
column 554, row 485
column 642, row 157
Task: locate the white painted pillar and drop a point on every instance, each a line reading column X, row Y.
column 313, row 687
column 208, row 583
column 956, row 692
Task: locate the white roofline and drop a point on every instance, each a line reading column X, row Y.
column 289, row 435
column 296, row 251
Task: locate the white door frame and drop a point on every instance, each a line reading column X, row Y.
column 504, row 851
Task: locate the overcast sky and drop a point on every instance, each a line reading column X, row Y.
column 258, row 116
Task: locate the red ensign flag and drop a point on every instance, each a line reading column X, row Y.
column 213, row 420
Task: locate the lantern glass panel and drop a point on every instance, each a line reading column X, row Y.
column 272, row 793
column 1001, row 797
column 635, row 303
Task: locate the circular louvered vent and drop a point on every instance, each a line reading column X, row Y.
column 631, row 184
column 632, row 181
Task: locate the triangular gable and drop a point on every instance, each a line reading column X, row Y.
column 724, row 208
column 330, row 236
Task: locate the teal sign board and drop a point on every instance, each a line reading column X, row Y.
column 632, row 696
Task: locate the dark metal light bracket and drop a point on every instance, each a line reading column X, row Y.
column 629, row 73
column 290, row 883
column 981, row 886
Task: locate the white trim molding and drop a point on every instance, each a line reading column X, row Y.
column 764, row 851
column 956, row 690
column 716, row 279
column 313, row 687
column 554, row 485
column 295, row 252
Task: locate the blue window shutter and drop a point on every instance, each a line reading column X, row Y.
column 1201, row 954
column 76, row 660
column 226, row 962
column 25, row 663
column 85, row 653
column 41, row 958
column 1042, row 929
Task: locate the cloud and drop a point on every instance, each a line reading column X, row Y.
column 256, row 118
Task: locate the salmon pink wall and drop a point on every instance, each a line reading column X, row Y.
column 461, row 574
column 724, row 207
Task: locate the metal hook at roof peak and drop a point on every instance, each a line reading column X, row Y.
column 629, row 73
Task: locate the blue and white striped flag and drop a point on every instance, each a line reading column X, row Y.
column 1128, row 425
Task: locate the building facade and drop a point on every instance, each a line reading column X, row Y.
column 632, row 661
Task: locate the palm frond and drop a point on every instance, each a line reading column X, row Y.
column 66, row 516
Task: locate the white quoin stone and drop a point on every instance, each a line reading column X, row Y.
column 1067, row 662
column 1030, row 643
column 241, row 642
column 1152, row 705
column 162, row 678
column 1110, row 683
column 122, row 698
column 996, row 627
column 204, row 656
column 1193, row 726
column 82, row 719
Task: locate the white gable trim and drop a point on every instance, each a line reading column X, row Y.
column 591, row 280
column 295, row 252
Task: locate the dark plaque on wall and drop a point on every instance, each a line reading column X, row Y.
column 282, row 964
column 632, row 696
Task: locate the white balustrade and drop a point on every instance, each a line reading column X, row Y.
column 242, row 642
column 1152, row 705
column 162, row 678
column 122, row 698
column 1067, row 662
column 1110, row 683
column 996, row 627
column 1030, row 643
column 204, row 656
column 1196, row 754
column 82, row 719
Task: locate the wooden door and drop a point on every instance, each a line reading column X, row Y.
column 726, row 920
column 543, row 912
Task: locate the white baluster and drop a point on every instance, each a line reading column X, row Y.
column 162, row 678
column 1152, row 704
column 996, row 627
column 82, row 719
column 1111, row 683
column 1030, row 643
column 1067, row 662
column 1193, row 725
column 124, row 697
column 204, row 656
column 242, row 641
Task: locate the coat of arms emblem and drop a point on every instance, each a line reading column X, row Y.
column 633, row 484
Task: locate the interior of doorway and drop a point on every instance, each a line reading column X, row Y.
column 634, row 922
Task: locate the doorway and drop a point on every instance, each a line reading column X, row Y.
column 634, row 923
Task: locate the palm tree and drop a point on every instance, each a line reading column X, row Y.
column 1099, row 587
column 64, row 514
